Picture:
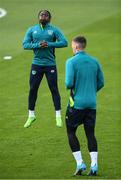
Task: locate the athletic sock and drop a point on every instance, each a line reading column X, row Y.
column 78, row 157
column 58, row 114
column 94, row 157
column 31, row 114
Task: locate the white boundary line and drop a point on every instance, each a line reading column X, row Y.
column 3, row 12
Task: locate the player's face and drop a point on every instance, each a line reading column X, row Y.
column 44, row 17
column 74, row 47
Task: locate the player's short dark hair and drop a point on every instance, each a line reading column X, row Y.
column 46, row 11
column 81, row 40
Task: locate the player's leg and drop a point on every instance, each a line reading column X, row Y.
column 89, row 127
column 36, row 76
column 72, row 122
column 51, row 75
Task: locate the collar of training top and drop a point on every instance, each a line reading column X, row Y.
column 80, row 52
column 44, row 26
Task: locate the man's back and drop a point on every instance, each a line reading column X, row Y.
column 85, row 77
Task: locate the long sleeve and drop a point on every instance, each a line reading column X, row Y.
column 28, row 42
column 60, row 40
column 69, row 77
column 100, row 78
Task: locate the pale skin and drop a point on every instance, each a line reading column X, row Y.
column 76, row 47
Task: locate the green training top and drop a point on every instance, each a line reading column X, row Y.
column 54, row 38
column 84, row 77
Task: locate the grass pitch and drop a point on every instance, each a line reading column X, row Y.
column 42, row 151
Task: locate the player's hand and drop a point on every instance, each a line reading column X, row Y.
column 43, row 44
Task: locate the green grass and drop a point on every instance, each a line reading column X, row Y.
column 42, row 151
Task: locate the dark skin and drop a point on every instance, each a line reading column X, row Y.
column 43, row 20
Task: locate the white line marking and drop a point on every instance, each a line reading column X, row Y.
column 3, row 12
column 7, row 57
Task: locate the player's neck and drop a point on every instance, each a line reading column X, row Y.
column 79, row 50
column 43, row 25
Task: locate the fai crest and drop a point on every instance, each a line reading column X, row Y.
column 50, row 32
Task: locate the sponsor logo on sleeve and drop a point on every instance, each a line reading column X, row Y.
column 35, row 32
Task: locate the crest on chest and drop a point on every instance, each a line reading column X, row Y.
column 50, row 32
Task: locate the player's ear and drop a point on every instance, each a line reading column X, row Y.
column 76, row 46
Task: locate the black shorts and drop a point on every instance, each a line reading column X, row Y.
column 76, row 117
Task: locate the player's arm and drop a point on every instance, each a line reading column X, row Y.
column 60, row 40
column 69, row 75
column 100, row 78
column 28, row 42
